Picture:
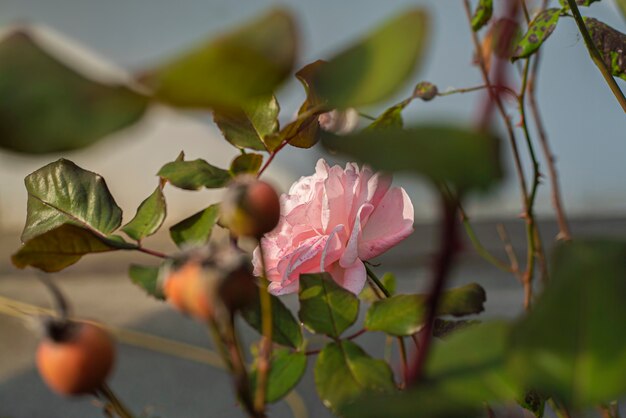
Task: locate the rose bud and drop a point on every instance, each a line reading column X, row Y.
column 208, row 285
column 340, row 122
column 250, row 208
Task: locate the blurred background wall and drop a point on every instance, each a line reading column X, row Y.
column 586, row 127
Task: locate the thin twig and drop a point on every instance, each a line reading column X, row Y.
column 265, row 353
column 595, row 55
column 508, row 248
column 564, row 231
column 151, row 252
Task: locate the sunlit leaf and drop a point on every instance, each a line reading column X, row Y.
column 196, row 229
column 62, row 192
column 233, row 68
column 61, row 247
column 246, row 164
column 569, row 346
column 539, row 30
column 482, row 14
column 375, row 66
column 285, row 329
column 193, row 175
column 344, row 371
column 248, row 126
column 147, row 278
column 149, row 217
column 326, row 307
column 287, row 368
column 442, row 153
column 403, row 315
column 48, row 107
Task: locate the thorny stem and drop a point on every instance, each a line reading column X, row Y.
column 120, row 409
column 529, row 216
column 448, row 247
column 510, row 252
column 595, row 55
column 494, row 97
column 265, row 353
column 564, row 231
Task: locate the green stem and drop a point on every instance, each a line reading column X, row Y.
column 120, row 409
column 595, row 55
column 377, row 281
column 265, row 353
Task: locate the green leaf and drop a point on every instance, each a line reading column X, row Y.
column 48, row 107
column 403, row 315
column 482, row 14
column 286, row 370
column 568, row 345
column 377, row 65
column 232, row 69
column 149, row 217
column 248, row 126
column 611, row 44
column 286, row 330
column 61, row 247
column 326, row 307
column 344, row 371
column 539, row 30
column 195, row 230
column 391, row 118
column 397, row 315
column 147, row 278
column 193, row 175
column 304, row 132
column 442, row 153
column 62, row 192
column 464, row 371
column 246, row 164
column 463, row 300
column 389, row 282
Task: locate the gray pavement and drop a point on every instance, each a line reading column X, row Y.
column 166, row 386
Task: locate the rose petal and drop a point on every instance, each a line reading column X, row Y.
column 389, row 223
column 351, row 278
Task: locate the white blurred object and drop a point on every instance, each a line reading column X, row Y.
column 340, row 122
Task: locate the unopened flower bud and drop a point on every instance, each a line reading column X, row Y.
column 250, row 208
column 340, row 122
column 212, row 282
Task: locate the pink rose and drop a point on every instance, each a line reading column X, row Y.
column 332, row 221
